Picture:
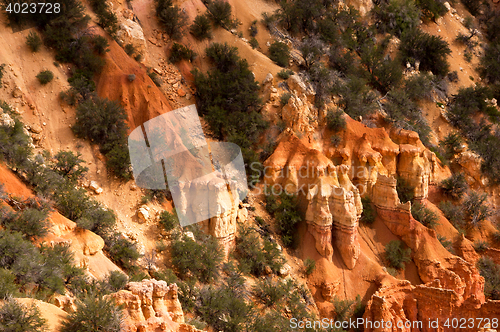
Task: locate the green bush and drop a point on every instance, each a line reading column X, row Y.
column 455, row 186
column 107, row 18
column 473, row 6
column 45, row 77
column 431, row 51
column 122, row 251
column 219, row 12
column 16, row 317
column 201, row 28
column 253, row 43
column 451, row 144
column 384, row 73
column 94, row 314
column 447, row 244
column 431, row 9
column 255, row 256
column 2, row 71
column 489, row 67
column 455, row 214
column 476, row 208
column 396, row 17
column 103, row 122
column 285, row 73
column 168, row 220
column 491, row 273
column 356, row 98
column 69, row 165
column 180, row 52
column 480, row 246
column 8, row 285
column 335, row 120
column 33, row 41
column 155, row 78
column 285, row 98
column 346, row 310
column 424, row 215
column 406, row 192
column 285, row 210
column 310, row 266
column 129, row 49
column 369, row 213
column 418, row 87
column 100, row 45
column 280, row 53
column 396, row 255
column 172, row 19
column 30, row 222
column 199, row 260
column 228, row 97
column 269, row 292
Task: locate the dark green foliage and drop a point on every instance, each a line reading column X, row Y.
column 107, row 19
column 16, row 317
column 455, row 186
column 222, row 309
column 280, row 53
column 384, row 73
column 455, row 214
column 45, row 77
column 14, row 147
column 431, row 51
column 103, row 122
column 269, row 292
column 172, row 19
column 94, row 314
column 155, row 78
column 447, row 244
column 8, row 286
column 219, row 12
column 346, row 310
column 168, row 220
column 253, row 255
column 33, row 41
column 495, row 237
column 68, row 164
column 473, row 6
column 116, row 280
column 396, row 17
column 424, row 215
column 490, row 63
column 2, row 71
column 253, row 29
column 201, row 28
column 476, row 208
column 419, row 87
column 406, row 192
column 312, row 49
column 369, row 213
column 356, row 98
column 431, row 9
column 285, row 73
column 180, row 52
column 253, row 42
column 299, row 16
column 335, row 120
column 285, row 98
column 451, row 144
column 310, row 266
column 228, row 97
column 285, row 210
column 129, row 49
column 100, row 44
column 397, row 255
column 122, row 251
column 198, row 260
column 480, row 246
column 491, row 273
column 30, row 222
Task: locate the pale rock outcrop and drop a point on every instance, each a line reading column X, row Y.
column 6, row 120
column 151, row 305
column 130, row 32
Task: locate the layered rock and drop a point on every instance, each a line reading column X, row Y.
column 151, row 305
column 397, row 302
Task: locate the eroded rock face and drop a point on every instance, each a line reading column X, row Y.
column 399, row 301
column 152, row 305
